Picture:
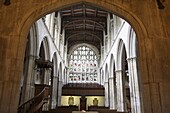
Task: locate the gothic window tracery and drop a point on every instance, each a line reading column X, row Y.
column 83, row 66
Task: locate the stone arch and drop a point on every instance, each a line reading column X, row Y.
column 39, row 10
column 33, row 39
column 131, row 44
column 28, row 72
column 120, row 76
column 84, row 44
column 31, row 16
column 119, row 53
column 112, row 84
column 43, row 74
column 134, row 78
column 45, row 45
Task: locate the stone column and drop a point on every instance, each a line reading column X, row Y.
column 102, row 54
column 108, row 32
column 105, row 46
column 59, row 30
column 51, row 28
column 29, row 78
column 62, row 44
column 11, row 67
column 65, row 54
column 54, row 94
column 47, row 75
column 55, row 30
column 59, row 92
column 106, row 94
column 47, row 20
column 112, row 31
column 112, row 93
column 120, row 91
column 50, row 23
column 136, row 104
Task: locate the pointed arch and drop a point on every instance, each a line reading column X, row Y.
column 119, row 53
column 84, row 44
column 33, row 39
column 132, row 44
column 45, row 49
column 112, row 84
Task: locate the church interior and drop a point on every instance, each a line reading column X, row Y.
column 76, row 56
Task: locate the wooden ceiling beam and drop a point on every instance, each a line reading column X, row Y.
column 98, row 19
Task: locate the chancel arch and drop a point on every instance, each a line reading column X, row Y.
column 40, row 11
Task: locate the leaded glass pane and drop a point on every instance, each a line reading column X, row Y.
column 83, row 65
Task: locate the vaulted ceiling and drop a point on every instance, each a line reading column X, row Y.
column 84, row 24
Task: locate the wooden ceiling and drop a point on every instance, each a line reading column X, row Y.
column 84, row 24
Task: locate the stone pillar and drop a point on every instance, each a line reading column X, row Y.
column 108, row 32
column 112, row 93
column 112, row 31
column 120, row 91
column 106, row 94
column 59, row 92
column 55, row 30
column 47, row 75
column 29, row 78
column 136, row 104
column 11, row 66
column 52, row 24
column 47, row 20
column 105, row 46
column 65, row 53
column 59, row 30
column 54, row 94
column 102, row 54
column 62, row 44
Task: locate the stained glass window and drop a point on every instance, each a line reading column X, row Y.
column 83, row 66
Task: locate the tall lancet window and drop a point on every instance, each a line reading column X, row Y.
column 83, row 66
